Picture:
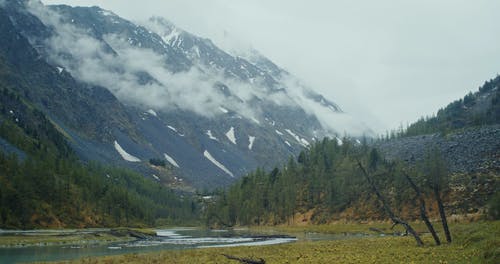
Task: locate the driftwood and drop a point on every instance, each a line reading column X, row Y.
column 423, row 213
column 376, row 230
column 396, row 220
column 245, row 260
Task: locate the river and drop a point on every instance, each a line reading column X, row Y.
column 166, row 239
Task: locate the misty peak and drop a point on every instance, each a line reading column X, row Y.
column 178, row 93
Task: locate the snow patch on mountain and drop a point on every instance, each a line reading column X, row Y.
column 211, row 136
column 125, row 155
column 279, row 132
column 230, row 135
column 172, row 128
column 223, row 110
column 251, row 140
column 106, row 13
column 292, row 134
column 152, row 112
column 216, row 163
column 171, row 160
column 255, row 120
column 302, row 141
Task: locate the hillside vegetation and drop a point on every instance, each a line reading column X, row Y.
column 325, row 183
column 43, row 184
column 475, row 109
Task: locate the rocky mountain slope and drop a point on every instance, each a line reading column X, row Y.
column 125, row 93
column 466, row 132
column 467, row 151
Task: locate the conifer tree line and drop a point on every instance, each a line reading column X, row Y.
column 327, row 182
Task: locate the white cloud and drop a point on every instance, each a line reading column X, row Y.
column 193, row 90
column 384, row 57
column 395, row 60
column 91, row 62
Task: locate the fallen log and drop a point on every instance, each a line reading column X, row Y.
column 245, row 260
column 376, row 230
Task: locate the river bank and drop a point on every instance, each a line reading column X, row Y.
column 53, row 237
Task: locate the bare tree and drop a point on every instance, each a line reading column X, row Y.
column 396, row 220
column 437, row 172
column 423, row 213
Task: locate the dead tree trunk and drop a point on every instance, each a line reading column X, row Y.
column 442, row 213
column 423, row 213
column 396, row 220
column 245, row 260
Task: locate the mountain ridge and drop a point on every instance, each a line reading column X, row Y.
column 158, row 97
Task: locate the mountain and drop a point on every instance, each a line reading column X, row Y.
column 124, row 93
column 43, row 184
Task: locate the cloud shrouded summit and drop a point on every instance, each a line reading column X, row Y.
column 385, row 62
column 138, row 73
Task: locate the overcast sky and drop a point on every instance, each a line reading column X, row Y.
column 387, row 61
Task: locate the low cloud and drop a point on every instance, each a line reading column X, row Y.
column 89, row 60
column 139, row 76
column 332, row 121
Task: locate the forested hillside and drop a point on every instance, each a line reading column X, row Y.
column 43, row 184
column 475, row 109
column 327, row 184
